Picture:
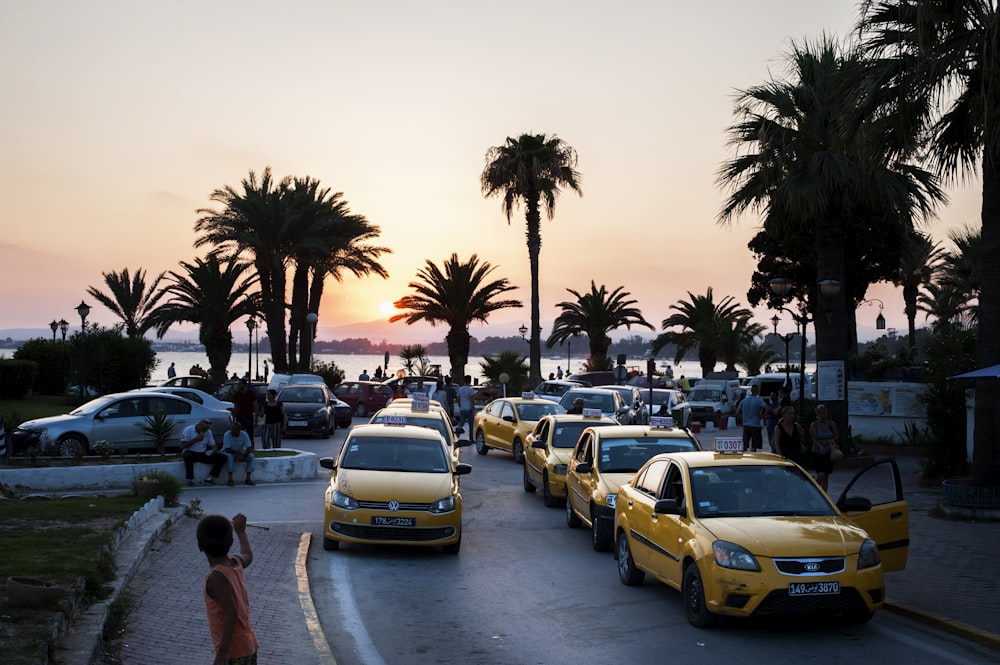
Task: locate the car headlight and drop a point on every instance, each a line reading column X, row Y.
column 731, row 555
column 560, row 469
column 320, row 413
column 345, row 501
column 445, row 505
column 868, row 557
column 610, row 500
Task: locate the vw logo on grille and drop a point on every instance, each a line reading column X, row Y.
column 394, row 506
column 810, row 567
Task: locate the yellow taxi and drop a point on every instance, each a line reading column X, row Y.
column 752, row 534
column 505, row 423
column 548, row 449
column 410, row 413
column 603, row 460
column 394, row 485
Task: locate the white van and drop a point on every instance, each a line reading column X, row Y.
column 768, row 383
column 712, row 400
column 279, row 381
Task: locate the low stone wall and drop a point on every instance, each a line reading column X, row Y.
column 303, row 466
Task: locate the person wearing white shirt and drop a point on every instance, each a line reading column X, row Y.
column 198, row 445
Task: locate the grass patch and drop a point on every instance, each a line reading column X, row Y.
column 16, row 411
column 62, row 540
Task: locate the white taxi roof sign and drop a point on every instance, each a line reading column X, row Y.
column 728, row 444
column 394, row 419
column 420, row 402
column 661, row 421
column 528, row 395
column 592, row 413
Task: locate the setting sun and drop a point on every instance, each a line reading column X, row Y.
column 387, row 308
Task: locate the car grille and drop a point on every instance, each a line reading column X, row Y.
column 403, row 507
column 779, row 602
column 398, row 533
column 828, row 566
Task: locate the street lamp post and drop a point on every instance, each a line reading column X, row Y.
column 879, row 320
column 312, row 318
column 63, row 327
column 786, row 339
column 251, row 324
column 55, row 326
column 524, row 331
column 781, row 287
column 83, row 309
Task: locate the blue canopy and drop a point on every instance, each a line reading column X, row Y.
column 984, row 373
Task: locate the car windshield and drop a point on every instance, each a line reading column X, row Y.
column 565, row 435
column 302, row 396
column 705, row 395
column 375, row 453
column 536, row 411
column 755, row 491
column 93, row 406
column 604, row 402
column 626, row 455
column 432, row 423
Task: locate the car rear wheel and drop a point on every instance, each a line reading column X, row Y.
column 528, row 485
column 573, row 520
column 627, row 572
column 361, row 411
column 693, row 592
column 481, row 446
column 329, row 544
column 71, row 445
column 601, row 540
column 517, row 448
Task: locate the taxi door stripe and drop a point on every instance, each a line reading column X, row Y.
column 638, row 537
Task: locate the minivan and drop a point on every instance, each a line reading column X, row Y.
column 768, row 383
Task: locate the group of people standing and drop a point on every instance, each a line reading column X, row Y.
column 785, row 436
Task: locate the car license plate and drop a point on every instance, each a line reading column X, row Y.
column 813, row 588
column 297, row 423
column 381, row 520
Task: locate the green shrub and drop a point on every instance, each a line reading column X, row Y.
column 54, row 364
column 16, row 377
column 332, row 375
column 157, row 483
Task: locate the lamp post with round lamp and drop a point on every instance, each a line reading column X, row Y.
column 63, row 327
column 251, row 324
column 55, row 326
column 83, row 309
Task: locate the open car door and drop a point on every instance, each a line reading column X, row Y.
column 888, row 521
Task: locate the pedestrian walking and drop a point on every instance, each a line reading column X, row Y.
column 227, row 602
column 750, row 413
column 466, row 406
column 171, row 371
column 275, row 421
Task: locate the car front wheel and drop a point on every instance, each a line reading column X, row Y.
column 528, row 485
column 361, row 411
column 693, row 592
column 481, row 446
column 572, row 519
column 71, row 445
column 550, row 500
column 627, row 572
column 600, row 540
column 329, row 544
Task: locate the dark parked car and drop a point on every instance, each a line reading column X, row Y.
column 309, row 409
column 364, row 397
column 259, row 388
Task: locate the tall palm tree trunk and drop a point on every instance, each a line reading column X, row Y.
column 533, row 220
column 272, row 287
column 458, row 340
column 986, row 451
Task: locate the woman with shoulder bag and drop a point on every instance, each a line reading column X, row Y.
column 823, row 434
column 788, row 435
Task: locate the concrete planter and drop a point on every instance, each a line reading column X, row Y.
column 31, row 592
column 302, row 466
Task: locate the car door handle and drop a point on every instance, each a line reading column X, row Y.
column 896, row 515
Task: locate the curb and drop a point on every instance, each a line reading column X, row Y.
column 984, row 637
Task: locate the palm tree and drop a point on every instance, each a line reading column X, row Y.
column 702, row 323
column 329, row 241
column 944, row 54
column 254, row 223
column 214, row 293
column 733, row 340
column 530, row 171
column 813, row 161
column 962, row 269
column 596, row 314
column 455, row 296
column 510, row 363
column 755, row 355
column 920, row 258
column 414, row 357
column 129, row 298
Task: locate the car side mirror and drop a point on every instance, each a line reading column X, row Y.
column 586, row 467
column 328, row 463
column 855, row 504
column 462, row 469
column 463, row 443
column 508, row 419
column 667, row 507
column 538, row 444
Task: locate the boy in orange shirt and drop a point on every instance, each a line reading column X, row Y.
column 226, row 600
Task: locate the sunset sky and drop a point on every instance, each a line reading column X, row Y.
column 120, row 119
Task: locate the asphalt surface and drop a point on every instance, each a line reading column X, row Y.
column 950, row 582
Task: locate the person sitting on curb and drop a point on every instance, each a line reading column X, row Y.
column 237, row 447
column 198, row 445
